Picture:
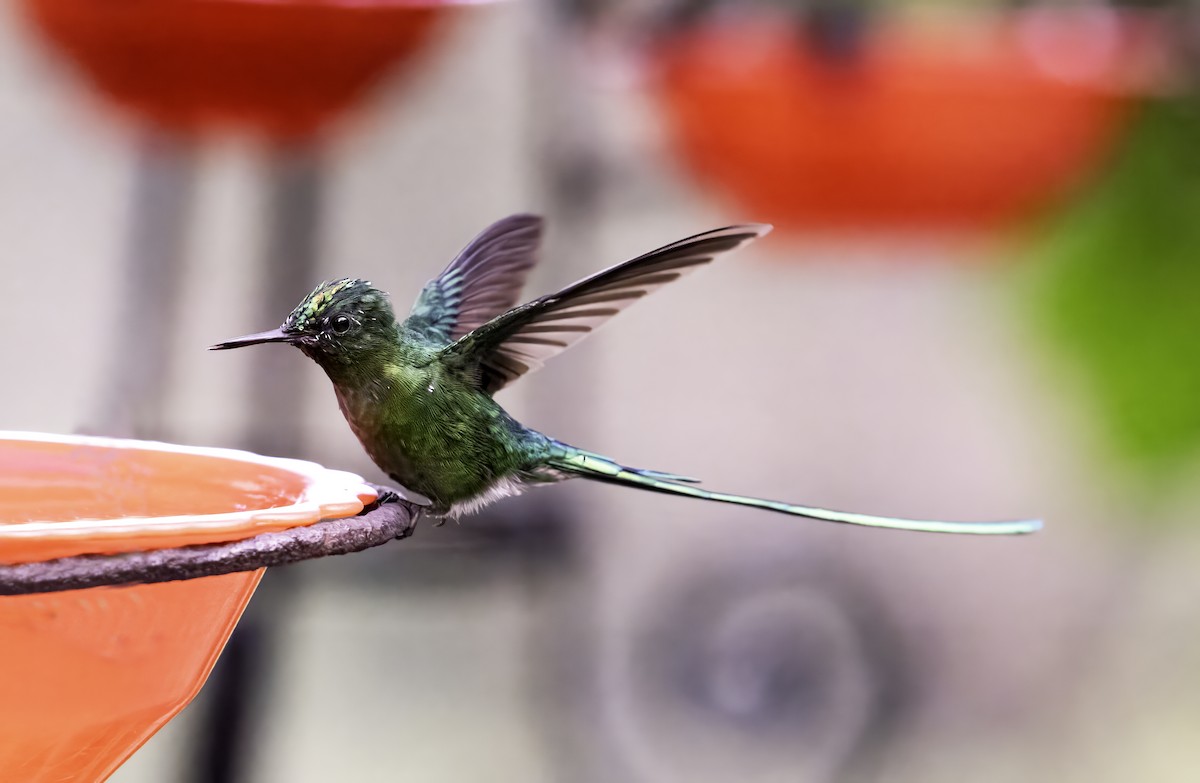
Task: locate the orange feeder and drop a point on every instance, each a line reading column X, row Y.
column 88, row 675
column 960, row 123
column 281, row 67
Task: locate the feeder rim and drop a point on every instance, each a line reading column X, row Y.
column 388, row 518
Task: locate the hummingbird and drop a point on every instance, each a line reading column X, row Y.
column 419, row 393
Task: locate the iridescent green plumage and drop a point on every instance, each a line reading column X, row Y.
column 418, row 393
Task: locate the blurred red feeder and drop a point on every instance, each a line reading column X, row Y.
column 966, row 123
column 279, row 67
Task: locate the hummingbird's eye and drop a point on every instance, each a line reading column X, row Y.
column 341, row 324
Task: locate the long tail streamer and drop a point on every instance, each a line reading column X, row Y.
column 600, row 468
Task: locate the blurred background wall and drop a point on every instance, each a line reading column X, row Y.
column 589, row 634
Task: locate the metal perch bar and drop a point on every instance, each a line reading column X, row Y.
column 389, row 519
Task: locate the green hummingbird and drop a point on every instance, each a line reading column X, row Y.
column 418, row 393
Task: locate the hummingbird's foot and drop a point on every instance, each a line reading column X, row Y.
column 398, row 494
column 387, row 496
column 383, row 496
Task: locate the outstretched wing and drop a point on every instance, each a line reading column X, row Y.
column 483, row 281
column 522, row 339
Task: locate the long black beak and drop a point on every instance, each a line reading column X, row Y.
column 273, row 336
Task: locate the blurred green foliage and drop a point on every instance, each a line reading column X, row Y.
column 1116, row 292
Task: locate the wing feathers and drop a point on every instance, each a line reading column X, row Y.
column 522, row 339
column 483, row 281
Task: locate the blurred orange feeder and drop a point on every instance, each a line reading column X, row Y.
column 87, row 676
column 283, row 68
column 947, row 123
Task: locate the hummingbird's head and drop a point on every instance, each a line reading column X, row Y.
column 338, row 324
